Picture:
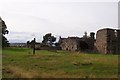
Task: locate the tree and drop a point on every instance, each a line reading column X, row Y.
column 57, row 44
column 5, row 42
column 48, row 39
column 3, row 27
column 28, row 44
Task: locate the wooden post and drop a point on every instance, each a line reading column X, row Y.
column 34, row 46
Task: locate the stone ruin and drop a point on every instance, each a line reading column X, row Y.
column 78, row 44
column 107, row 41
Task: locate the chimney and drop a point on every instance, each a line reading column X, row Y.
column 92, row 35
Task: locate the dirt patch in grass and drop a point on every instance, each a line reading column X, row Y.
column 20, row 73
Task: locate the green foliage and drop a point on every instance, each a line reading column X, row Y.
column 5, row 42
column 59, row 64
column 28, row 44
column 48, row 39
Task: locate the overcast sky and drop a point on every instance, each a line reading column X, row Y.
column 26, row 19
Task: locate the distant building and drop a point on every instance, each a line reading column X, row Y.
column 108, row 41
column 70, row 43
column 77, row 44
column 18, row 45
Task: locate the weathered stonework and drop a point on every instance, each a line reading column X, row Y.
column 118, row 41
column 69, row 43
column 107, row 41
column 77, row 44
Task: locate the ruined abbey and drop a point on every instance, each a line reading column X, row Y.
column 107, row 41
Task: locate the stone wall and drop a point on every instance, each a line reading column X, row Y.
column 90, row 42
column 69, row 44
column 101, row 41
column 118, row 41
column 111, row 41
column 77, row 44
column 107, row 41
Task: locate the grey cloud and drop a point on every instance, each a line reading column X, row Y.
column 60, row 18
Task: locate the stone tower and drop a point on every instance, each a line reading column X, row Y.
column 107, row 41
column 118, row 41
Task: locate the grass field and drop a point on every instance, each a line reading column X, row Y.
column 20, row 63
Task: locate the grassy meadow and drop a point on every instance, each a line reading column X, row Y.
column 21, row 63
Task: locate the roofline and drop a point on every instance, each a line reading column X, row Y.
column 107, row 29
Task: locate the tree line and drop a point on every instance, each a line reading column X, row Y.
column 48, row 39
column 3, row 32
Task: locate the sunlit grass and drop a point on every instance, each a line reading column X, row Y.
column 58, row 64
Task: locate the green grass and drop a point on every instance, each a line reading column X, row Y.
column 21, row 63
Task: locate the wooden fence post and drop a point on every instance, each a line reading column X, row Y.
column 34, row 46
